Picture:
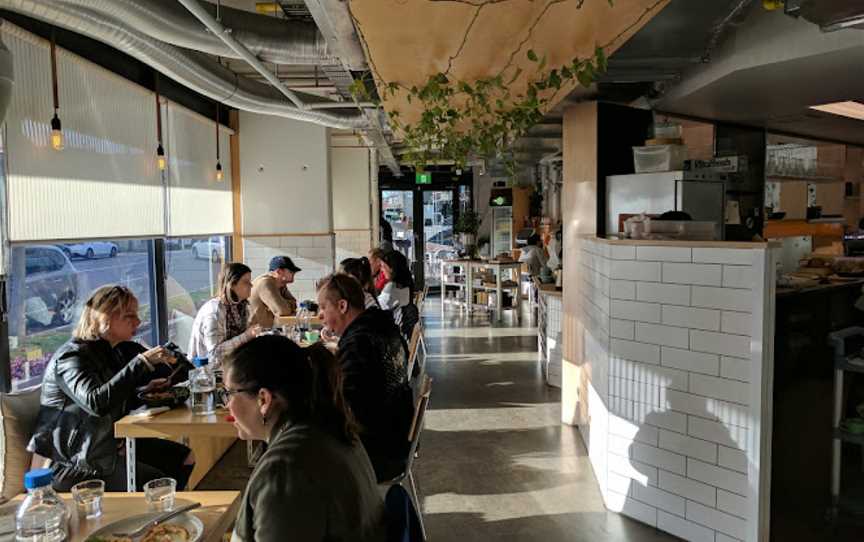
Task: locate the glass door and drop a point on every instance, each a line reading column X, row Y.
column 438, row 237
column 397, row 209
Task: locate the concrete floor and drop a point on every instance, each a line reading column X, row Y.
column 495, row 462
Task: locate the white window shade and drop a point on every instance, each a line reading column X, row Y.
column 105, row 183
column 198, row 203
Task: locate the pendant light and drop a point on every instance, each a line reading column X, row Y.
column 160, row 151
column 218, row 163
column 56, row 129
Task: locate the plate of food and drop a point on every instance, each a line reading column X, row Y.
column 170, row 397
column 183, row 528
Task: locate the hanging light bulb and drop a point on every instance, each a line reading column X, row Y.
column 56, row 133
column 160, row 157
column 218, row 170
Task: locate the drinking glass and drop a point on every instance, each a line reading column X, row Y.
column 159, row 494
column 88, row 497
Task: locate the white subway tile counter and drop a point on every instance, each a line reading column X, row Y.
column 675, row 341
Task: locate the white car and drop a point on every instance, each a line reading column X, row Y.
column 212, row 249
column 91, row 250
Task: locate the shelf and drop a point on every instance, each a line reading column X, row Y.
column 805, row 178
column 460, row 284
column 493, row 289
column 801, row 228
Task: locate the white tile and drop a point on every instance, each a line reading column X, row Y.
column 648, row 414
column 729, row 256
column 627, row 429
column 708, row 319
column 720, row 388
column 635, row 351
column 732, row 504
column 735, row 368
column 732, row 436
column 687, row 488
column 659, row 499
column 664, row 254
column 671, row 294
column 682, row 528
column 619, row 445
column 738, row 276
column 633, row 310
column 723, row 538
column 689, row 446
column 686, row 360
column 717, row 520
column 739, row 323
column 619, row 484
column 662, row 335
column 733, row 459
column 729, row 414
column 659, row 458
column 622, row 329
column 635, row 270
column 641, row 473
column 622, row 252
column 718, row 343
column 652, row 374
column 722, row 298
column 632, row 508
column 690, row 273
column 717, row 476
column 641, row 392
column 622, row 289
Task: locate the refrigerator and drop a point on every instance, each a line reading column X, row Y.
column 701, row 196
column 502, row 230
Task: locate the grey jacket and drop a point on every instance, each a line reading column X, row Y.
column 310, row 487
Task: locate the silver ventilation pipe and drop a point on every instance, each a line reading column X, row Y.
column 268, row 38
column 196, row 71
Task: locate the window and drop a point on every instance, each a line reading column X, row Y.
column 48, row 285
column 192, row 274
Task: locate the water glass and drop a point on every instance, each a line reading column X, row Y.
column 159, row 494
column 88, row 497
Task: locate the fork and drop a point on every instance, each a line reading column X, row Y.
column 157, row 520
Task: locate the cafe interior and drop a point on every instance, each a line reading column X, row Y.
column 379, row 270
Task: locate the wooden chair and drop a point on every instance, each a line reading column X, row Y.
column 413, row 350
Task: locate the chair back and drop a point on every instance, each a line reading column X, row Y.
column 413, row 347
column 18, row 413
column 403, row 524
column 417, row 422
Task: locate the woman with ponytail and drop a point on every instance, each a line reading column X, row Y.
column 360, row 269
column 314, row 482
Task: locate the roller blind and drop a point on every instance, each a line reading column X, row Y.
column 105, row 183
column 198, row 203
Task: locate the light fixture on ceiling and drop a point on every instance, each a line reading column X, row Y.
column 160, row 150
column 218, row 163
column 56, row 128
column 851, row 109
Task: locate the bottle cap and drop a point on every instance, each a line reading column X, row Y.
column 199, row 362
column 38, row 478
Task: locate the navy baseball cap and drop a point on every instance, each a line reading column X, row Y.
column 283, row 262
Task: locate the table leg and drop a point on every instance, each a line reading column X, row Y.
column 499, row 294
column 130, row 465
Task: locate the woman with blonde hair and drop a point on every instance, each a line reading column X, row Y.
column 221, row 323
column 89, row 384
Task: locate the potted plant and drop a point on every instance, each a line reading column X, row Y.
column 466, row 227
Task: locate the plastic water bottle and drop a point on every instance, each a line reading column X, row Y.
column 302, row 321
column 202, row 386
column 43, row 516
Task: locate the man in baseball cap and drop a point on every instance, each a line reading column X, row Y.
column 270, row 296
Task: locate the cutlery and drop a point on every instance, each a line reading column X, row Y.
column 157, row 520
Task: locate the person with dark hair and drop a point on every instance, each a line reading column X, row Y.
column 379, row 279
column 386, row 233
column 270, row 296
column 90, row 383
column 373, row 357
column 314, row 482
column 222, row 323
column 533, row 255
column 398, row 291
column 360, row 269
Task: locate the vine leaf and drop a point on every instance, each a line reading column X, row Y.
column 532, row 56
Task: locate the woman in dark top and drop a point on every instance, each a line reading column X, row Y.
column 89, row 384
column 314, row 483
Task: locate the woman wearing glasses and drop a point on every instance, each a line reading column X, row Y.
column 314, row 482
column 89, row 384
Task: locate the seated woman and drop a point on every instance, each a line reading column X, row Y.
column 376, row 255
column 314, row 482
column 360, row 269
column 221, row 323
column 398, row 291
column 89, row 384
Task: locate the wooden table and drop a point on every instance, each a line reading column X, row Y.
column 292, row 321
column 209, row 436
column 218, row 511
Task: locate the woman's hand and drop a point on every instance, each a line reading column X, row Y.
column 328, row 335
column 254, row 331
column 158, row 355
column 156, row 384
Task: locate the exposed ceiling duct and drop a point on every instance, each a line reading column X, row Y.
column 268, row 38
column 196, row 71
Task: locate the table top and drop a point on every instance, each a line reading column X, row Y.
column 217, row 512
column 292, row 321
column 177, row 422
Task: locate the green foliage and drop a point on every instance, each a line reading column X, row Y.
column 469, row 222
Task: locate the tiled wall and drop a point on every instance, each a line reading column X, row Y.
column 313, row 254
column 352, row 244
column 674, row 341
column 553, row 340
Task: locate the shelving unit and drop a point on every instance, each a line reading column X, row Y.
column 461, row 287
column 465, row 296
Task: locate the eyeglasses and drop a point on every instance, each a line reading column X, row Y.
column 229, row 393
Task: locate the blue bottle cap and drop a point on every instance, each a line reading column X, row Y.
column 199, row 362
column 38, row 478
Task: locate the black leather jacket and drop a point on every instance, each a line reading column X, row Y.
column 86, row 388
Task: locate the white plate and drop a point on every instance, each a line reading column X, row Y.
column 132, row 523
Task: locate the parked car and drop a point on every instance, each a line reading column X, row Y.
column 91, row 249
column 212, row 249
column 51, row 289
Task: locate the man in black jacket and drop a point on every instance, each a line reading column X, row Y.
column 373, row 357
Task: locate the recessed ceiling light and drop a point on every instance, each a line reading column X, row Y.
column 853, row 110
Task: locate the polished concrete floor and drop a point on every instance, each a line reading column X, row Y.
column 495, row 462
